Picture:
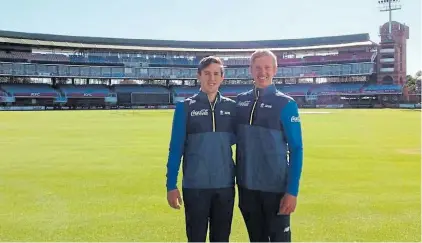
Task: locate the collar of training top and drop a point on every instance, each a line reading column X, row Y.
column 270, row 89
column 203, row 97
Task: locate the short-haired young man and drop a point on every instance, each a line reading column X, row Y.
column 269, row 154
column 203, row 133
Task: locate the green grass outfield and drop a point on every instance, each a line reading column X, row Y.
column 100, row 176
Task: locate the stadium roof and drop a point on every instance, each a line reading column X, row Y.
column 65, row 41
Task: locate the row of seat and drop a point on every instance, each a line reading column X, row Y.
column 305, row 89
column 45, row 88
column 116, row 59
column 296, row 89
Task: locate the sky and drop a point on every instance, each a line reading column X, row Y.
column 214, row 20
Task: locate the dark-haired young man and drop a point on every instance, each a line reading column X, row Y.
column 203, row 133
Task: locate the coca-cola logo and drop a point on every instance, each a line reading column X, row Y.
column 35, row 94
column 87, row 94
column 203, row 112
column 244, row 103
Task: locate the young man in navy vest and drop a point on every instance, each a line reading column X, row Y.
column 203, row 133
column 269, row 154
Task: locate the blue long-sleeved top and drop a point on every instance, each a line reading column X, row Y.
column 290, row 120
column 178, row 136
column 269, row 153
column 202, row 133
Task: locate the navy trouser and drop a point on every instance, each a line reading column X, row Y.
column 259, row 210
column 208, row 206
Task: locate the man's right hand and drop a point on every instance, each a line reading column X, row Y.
column 174, row 199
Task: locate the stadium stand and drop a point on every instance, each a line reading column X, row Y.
column 295, row 89
column 338, row 89
column 79, row 71
column 185, row 91
column 30, row 90
column 83, row 41
column 382, row 88
column 179, row 61
column 3, row 94
column 79, row 91
column 128, row 94
column 131, row 88
column 233, row 90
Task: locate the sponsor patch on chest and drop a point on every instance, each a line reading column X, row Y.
column 244, row 103
column 203, row 112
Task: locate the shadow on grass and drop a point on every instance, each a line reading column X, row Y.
column 411, row 110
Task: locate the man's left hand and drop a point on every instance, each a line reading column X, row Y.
column 287, row 204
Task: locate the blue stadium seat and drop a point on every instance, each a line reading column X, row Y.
column 112, row 59
column 77, row 58
column 185, row 91
column 338, row 88
column 89, row 89
column 28, row 88
column 129, row 88
column 295, row 89
column 234, row 90
column 383, row 88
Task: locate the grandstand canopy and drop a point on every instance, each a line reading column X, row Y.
column 64, row 41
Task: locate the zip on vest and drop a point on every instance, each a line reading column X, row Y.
column 213, row 114
column 253, row 108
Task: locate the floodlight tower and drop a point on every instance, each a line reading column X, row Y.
column 389, row 6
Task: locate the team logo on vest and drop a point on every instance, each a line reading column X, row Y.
column 266, row 106
column 222, row 113
column 203, row 112
column 244, row 103
column 192, row 102
column 294, row 119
